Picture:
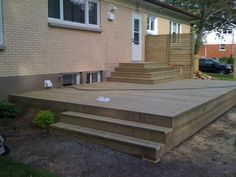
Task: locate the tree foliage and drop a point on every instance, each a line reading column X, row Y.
column 213, row 15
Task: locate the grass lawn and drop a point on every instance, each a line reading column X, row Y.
column 11, row 168
column 228, row 77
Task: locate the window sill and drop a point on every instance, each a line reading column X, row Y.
column 64, row 24
column 152, row 32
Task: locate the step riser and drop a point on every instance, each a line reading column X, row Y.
column 128, row 80
column 139, row 65
column 140, row 81
column 150, row 76
column 115, row 128
column 144, row 70
column 148, row 153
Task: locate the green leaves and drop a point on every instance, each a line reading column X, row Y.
column 44, row 119
column 8, row 110
column 214, row 15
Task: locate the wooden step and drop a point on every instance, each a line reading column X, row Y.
column 124, row 127
column 144, row 80
column 144, row 70
column 150, row 75
column 146, row 149
column 147, row 65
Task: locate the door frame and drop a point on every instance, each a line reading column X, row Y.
column 137, row 16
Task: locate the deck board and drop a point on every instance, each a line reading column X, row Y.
column 167, row 99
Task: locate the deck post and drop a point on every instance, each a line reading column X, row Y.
column 234, row 74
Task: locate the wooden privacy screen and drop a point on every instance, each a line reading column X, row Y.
column 174, row 50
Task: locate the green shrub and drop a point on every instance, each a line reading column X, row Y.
column 44, row 119
column 223, row 60
column 226, row 60
column 8, row 110
column 231, row 60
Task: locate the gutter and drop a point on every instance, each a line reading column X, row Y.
column 172, row 8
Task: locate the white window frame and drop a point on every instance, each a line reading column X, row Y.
column 221, row 48
column 155, row 31
column 178, row 25
column 68, row 24
column 91, row 78
column 1, row 26
column 78, row 79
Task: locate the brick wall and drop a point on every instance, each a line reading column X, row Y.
column 33, row 48
column 212, row 51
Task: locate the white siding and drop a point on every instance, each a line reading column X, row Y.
column 212, row 38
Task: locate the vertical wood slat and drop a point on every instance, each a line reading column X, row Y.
column 175, row 50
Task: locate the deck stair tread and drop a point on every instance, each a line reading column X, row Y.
column 108, row 135
column 145, row 69
column 142, row 65
column 132, row 124
column 148, row 73
column 163, row 77
column 158, row 74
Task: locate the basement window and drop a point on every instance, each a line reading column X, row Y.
column 93, row 77
column 222, row 47
column 152, row 25
column 1, row 26
column 71, row 79
column 78, row 14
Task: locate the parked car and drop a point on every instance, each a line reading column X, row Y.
column 214, row 66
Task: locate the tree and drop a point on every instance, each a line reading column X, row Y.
column 213, row 15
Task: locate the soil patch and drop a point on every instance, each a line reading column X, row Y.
column 209, row 153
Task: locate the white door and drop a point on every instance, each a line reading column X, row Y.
column 136, row 37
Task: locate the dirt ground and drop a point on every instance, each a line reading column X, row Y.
column 209, row 153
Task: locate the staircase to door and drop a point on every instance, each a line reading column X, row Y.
column 145, row 73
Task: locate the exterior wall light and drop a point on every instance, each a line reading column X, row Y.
column 110, row 14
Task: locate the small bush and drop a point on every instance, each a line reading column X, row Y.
column 223, row 60
column 8, row 110
column 226, row 60
column 44, row 119
column 231, row 60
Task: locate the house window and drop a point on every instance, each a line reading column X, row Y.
column 222, row 47
column 227, row 31
column 152, row 25
column 1, row 25
column 230, row 31
column 93, row 77
column 81, row 14
column 175, row 28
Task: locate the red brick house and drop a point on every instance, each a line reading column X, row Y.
column 220, row 44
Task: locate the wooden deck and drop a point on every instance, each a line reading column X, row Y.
column 183, row 106
column 169, row 99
